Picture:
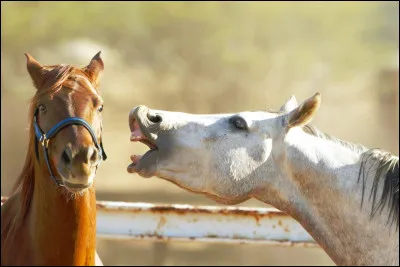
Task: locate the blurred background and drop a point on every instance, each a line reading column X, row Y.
column 205, row 57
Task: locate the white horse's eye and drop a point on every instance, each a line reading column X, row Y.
column 239, row 123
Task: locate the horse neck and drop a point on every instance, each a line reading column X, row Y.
column 319, row 187
column 62, row 227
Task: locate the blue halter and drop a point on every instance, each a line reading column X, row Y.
column 44, row 138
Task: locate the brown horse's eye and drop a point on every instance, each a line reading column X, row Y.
column 42, row 108
column 100, row 108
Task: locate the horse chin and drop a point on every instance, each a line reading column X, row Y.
column 76, row 188
column 76, row 192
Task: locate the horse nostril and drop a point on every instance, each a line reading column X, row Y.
column 65, row 157
column 154, row 118
column 94, row 156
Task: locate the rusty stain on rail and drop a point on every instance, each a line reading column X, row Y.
column 125, row 220
column 185, row 209
column 181, row 210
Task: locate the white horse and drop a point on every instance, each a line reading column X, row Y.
column 345, row 195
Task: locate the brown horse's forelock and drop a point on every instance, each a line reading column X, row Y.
column 54, row 79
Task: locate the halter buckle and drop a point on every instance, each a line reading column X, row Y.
column 44, row 141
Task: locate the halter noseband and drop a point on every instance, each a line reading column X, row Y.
column 44, row 138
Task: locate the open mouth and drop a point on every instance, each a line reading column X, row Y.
column 138, row 136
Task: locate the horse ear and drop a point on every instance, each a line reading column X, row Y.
column 304, row 113
column 289, row 105
column 95, row 68
column 36, row 71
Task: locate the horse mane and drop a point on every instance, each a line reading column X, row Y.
column 386, row 172
column 54, row 79
column 318, row 133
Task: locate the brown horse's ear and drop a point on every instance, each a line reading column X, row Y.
column 304, row 113
column 36, row 71
column 95, row 68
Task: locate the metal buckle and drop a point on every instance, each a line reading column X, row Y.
column 44, row 141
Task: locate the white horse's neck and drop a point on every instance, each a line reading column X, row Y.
column 319, row 187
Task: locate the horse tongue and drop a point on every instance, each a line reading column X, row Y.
column 136, row 134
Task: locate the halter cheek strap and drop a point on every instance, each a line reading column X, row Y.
column 44, row 138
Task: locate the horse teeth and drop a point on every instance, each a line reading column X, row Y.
column 135, row 137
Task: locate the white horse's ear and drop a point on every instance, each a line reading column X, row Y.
column 289, row 105
column 304, row 113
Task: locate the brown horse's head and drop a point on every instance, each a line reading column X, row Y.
column 63, row 92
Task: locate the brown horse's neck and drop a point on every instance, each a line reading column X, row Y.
column 62, row 226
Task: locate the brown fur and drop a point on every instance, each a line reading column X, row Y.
column 43, row 224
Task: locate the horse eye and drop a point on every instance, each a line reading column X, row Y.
column 42, row 108
column 239, row 123
column 100, row 108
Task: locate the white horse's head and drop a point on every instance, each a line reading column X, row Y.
column 224, row 156
column 276, row 157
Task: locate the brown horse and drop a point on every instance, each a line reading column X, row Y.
column 50, row 218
